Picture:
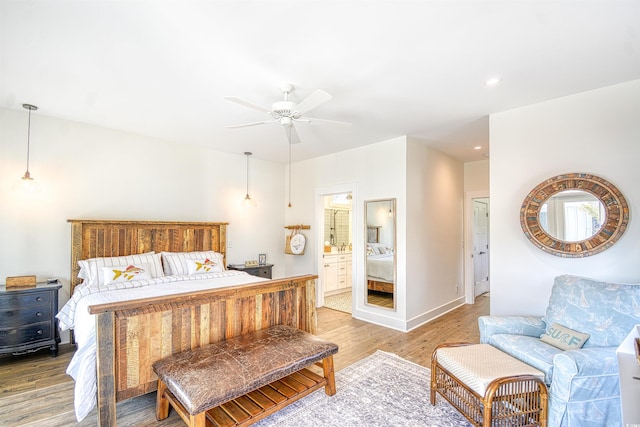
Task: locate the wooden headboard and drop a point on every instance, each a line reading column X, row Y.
column 105, row 238
column 373, row 233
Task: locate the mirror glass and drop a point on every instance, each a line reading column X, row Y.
column 572, row 215
column 380, row 258
column 337, row 222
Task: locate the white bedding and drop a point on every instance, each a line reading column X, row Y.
column 380, row 268
column 75, row 315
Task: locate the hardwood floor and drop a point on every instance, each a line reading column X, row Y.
column 383, row 299
column 34, row 389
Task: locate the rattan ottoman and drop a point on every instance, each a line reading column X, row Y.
column 489, row 387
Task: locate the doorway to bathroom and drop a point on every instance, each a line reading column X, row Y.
column 337, row 262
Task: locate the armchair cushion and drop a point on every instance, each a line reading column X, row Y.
column 529, row 350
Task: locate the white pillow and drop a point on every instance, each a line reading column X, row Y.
column 125, row 273
column 175, row 263
column 378, row 248
column 201, row 266
column 90, row 268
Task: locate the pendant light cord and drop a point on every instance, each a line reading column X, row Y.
column 247, row 154
column 27, row 174
column 28, row 139
column 289, row 174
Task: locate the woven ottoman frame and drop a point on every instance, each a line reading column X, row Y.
column 511, row 400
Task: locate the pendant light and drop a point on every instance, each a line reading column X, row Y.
column 247, row 199
column 27, row 183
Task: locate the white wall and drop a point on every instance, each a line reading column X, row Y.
column 98, row 173
column 595, row 132
column 375, row 171
column 428, row 186
column 434, row 233
column 476, row 176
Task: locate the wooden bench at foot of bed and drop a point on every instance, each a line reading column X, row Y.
column 243, row 379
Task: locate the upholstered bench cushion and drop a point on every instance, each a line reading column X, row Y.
column 478, row 365
column 205, row 377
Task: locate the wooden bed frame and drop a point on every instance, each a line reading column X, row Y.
column 131, row 335
column 379, row 286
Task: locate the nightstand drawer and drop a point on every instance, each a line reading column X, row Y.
column 14, row 299
column 259, row 271
column 25, row 315
column 25, row 334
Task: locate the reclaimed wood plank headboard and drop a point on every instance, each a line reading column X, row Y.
column 107, row 238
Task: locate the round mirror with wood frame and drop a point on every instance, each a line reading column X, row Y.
column 614, row 225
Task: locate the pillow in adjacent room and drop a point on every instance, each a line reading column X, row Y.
column 563, row 337
column 175, row 263
column 202, row 266
column 125, row 273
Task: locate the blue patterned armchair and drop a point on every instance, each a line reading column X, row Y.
column 583, row 383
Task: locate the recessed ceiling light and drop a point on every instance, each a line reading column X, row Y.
column 478, row 147
column 493, row 81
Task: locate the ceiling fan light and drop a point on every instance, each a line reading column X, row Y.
column 286, row 112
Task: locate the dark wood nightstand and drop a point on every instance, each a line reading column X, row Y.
column 262, row 270
column 27, row 319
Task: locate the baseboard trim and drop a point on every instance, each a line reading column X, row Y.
column 434, row 314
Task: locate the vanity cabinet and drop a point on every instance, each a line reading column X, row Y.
column 337, row 272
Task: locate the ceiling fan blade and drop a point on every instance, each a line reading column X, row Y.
column 246, row 103
column 332, row 122
column 264, row 122
column 312, row 101
column 292, row 134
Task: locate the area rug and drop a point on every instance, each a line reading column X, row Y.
column 380, row 390
column 340, row 302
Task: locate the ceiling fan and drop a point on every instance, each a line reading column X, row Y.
column 288, row 112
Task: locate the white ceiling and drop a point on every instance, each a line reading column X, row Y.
column 394, row 68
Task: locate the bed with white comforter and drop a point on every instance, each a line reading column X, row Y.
column 75, row 315
column 380, row 267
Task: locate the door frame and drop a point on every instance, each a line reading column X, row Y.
column 320, row 193
column 469, row 196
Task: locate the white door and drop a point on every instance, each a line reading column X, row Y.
column 480, row 246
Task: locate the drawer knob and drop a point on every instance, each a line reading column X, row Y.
column 38, row 314
column 39, row 332
column 38, row 298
